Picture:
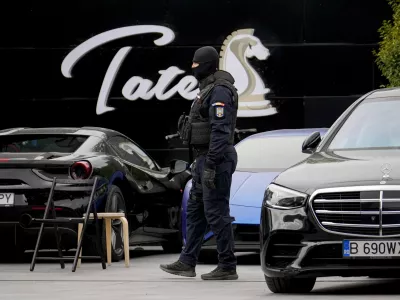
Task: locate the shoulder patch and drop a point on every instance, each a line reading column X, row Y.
column 218, row 104
column 219, row 111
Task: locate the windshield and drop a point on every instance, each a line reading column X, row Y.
column 373, row 124
column 270, row 152
column 41, row 143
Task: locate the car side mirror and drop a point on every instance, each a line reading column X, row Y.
column 311, row 142
column 177, row 166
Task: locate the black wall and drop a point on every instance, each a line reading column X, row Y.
column 320, row 59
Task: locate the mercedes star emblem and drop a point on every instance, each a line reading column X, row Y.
column 386, row 168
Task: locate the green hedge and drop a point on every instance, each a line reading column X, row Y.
column 388, row 54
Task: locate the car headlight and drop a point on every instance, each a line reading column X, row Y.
column 283, row 198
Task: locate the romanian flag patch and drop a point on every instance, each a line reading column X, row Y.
column 218, row 104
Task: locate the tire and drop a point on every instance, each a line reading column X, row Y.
column 174, row 243
column 290, row 285
column 114, row 203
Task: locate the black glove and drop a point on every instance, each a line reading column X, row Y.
column 209, row 177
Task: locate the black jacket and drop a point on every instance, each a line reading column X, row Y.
column 220, row 108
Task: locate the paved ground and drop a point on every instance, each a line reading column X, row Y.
column 144, row 280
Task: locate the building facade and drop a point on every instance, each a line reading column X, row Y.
column 126, row 64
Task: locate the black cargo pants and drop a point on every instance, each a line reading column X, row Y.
column 211, row 206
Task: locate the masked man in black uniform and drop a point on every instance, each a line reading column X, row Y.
column 209, row 130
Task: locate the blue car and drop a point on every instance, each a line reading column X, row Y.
column 261, row 157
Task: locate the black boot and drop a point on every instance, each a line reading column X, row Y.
column 221, row 274
column 179, row 268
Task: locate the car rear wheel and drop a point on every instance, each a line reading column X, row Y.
column 290, row 285
column 12, row 253
column 115, row 203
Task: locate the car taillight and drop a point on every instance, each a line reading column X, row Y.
column 81, row 170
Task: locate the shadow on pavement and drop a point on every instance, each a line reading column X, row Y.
column 140, row 252
column 211, row 257
column 27, row 256
column 378, row 287
column 206, row 256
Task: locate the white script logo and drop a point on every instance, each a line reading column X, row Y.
column 239, row 46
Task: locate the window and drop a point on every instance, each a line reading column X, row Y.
column 132, row 153
column 374, row 123
column 34, row 143
column 270, row 152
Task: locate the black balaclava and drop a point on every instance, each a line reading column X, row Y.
column 208, row 60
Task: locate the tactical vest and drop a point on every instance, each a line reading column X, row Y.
column 195, row 129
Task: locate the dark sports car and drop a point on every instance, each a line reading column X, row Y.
column 149, row 195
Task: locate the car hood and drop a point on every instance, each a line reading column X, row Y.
column 342, row 168
column 248, row 187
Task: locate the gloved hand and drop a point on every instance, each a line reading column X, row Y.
column 209, row 177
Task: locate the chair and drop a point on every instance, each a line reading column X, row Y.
column 83, row 185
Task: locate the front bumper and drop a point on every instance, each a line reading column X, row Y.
column 294, row 245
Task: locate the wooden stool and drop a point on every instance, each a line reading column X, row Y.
column 108, row 217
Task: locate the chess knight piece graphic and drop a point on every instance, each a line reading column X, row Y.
column 237, row 48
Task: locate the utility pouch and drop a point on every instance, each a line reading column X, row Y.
column 184, row 129
column 200, row 133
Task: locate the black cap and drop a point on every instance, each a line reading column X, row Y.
column 205, row 54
